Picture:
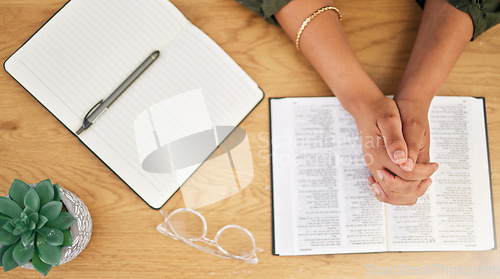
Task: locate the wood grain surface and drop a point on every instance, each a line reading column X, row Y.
column 34, row 145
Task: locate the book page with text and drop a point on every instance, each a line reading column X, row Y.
column 456, row 212
column 321, row 200
column 319, row 211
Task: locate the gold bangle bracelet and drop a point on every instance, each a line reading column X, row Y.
column 310, row 18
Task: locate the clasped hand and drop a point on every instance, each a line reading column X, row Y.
column 395, row 140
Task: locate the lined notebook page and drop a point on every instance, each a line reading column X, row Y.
column 88, row 48
column 81, row 55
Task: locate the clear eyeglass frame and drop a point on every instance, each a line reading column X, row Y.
column 167, row 229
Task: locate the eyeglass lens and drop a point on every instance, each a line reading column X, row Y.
column 236, row 241
column 187, row 225
column 232, row 239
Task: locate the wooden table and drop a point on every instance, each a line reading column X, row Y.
column 125, row 244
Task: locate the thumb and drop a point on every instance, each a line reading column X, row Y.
column 415, row 140
column 395, row 144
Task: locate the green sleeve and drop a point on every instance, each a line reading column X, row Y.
column 265, row 8
column 484, row 13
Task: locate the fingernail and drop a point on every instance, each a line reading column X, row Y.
column 371, row 190
column 375, row 189
column 436, row 167
column 430, row 183
column 371, row 179
column 380, row 175
column 408, row 165
column 399, row 156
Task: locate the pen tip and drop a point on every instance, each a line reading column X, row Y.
column 80, row 130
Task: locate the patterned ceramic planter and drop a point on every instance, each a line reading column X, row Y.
column 81, row 230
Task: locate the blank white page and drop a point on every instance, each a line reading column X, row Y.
column 89, row 47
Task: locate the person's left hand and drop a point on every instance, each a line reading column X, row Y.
column 381, row 132
column 415, row 126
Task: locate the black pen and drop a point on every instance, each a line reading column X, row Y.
column 99, row 108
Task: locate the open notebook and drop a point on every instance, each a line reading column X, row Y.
column 169, row 120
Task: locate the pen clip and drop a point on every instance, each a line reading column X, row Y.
column 92, row 110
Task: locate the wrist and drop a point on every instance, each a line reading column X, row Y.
column 359, row 104
column 417, row 99
column 420, row 93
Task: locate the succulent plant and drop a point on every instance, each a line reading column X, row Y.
column 33, row 226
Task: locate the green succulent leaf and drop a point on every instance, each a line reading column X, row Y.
column 68, row 238
column 28, row 211
column 51, row 210
column 32, row 200
column 48, row 254
column 52, row 236
column 28, row 237
column 45, row 191
column 19, row 230
column 57, row 192
column 4, row 219
column 8, row 261
column 39, row 265
column 10, row 208
column 31, row 226
column 21, row 224
column 23, row 254
column 62, row 222
column 45, row 181
column 2, row 251
column 42, row 220
column 7, row 238
column 17, row 191
column 34, row 217
column 10, row 226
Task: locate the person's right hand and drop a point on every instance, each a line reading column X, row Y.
column 413, row 113
column 384, row 147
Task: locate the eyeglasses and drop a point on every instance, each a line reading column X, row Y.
column 189, row 226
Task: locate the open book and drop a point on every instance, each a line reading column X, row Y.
column 169, row 120
column 321, row 200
